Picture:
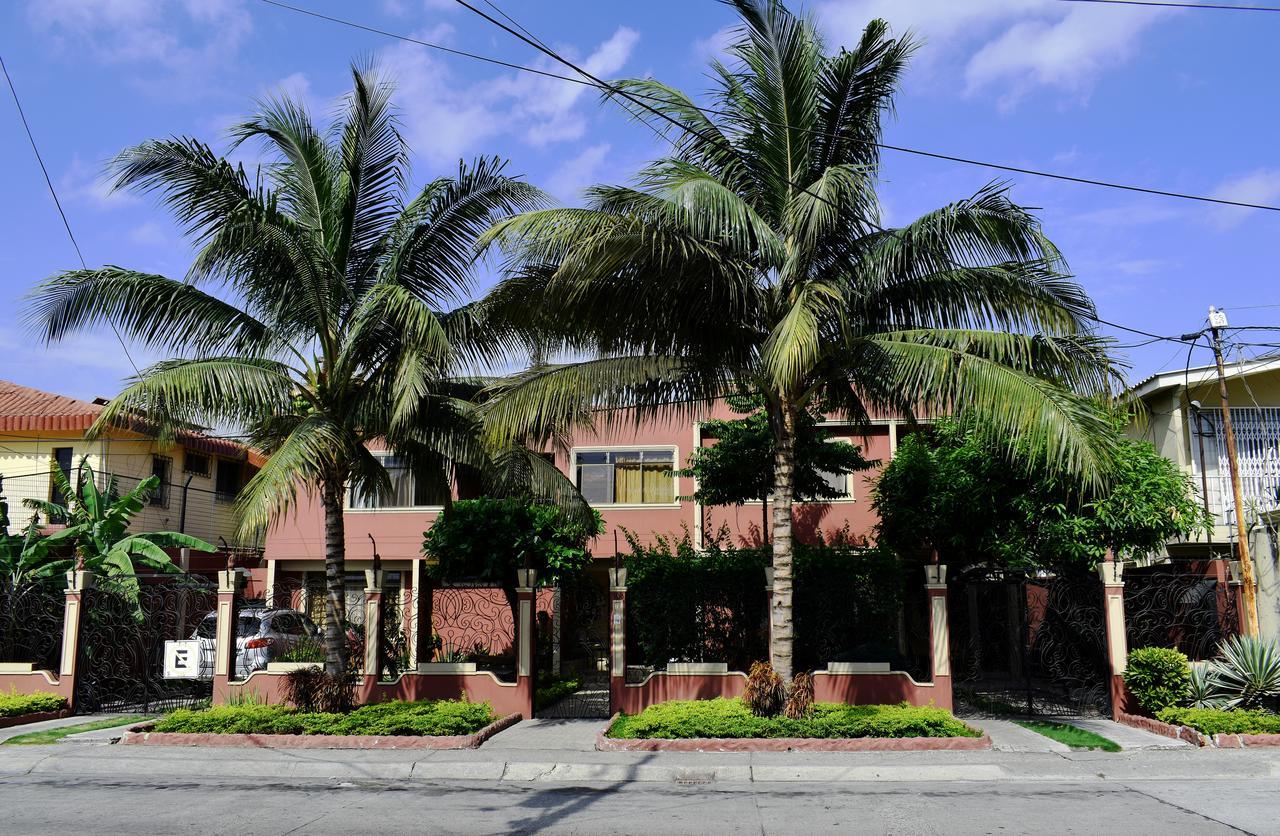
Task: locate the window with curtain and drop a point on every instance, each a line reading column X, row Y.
column 406, row 491
column 626, row 477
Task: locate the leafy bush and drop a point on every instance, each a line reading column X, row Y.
column 14, row 704
column 1222, row 721
column 732, row 719
column 1158, row 677
column 419, row 719
column 553, row 692
column 311, row 689
column 1248, row 670
column 799, row 696
column 765, row 692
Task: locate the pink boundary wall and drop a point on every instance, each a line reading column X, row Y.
column 854, row 688
column 42, row 681
column 504, row 697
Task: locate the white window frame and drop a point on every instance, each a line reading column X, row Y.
column 387, row 509
column 613, row 448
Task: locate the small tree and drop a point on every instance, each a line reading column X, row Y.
column 489, row 539
column 739, row 467
column 954, row 491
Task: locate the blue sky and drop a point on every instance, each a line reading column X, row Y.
column 1182, row 100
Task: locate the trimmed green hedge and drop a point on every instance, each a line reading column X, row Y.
column 1159, row 677
column 1223, row 721
column 731, row 718
column 417, row 719
column 15, row 705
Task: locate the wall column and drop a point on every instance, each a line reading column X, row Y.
column 224, row 643
column 78, row 581
column 1112, row 573
column 617, row 637
column 526, row 579
column 935, row 585
column 372, row 627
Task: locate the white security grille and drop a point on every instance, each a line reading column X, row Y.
column 1257, row 432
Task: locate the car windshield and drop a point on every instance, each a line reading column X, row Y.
column 248, row 625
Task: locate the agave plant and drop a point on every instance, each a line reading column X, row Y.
column 1205, row 690
column 1248, row 671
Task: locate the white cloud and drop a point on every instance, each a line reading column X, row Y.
column 715, row 47
column 450, row 117
column 184, row 37
column 575, row 174
column 1260, row 186
column 1009, row 47
column 149, row 234
column 91, row 184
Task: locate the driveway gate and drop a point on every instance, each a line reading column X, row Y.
column 126, row 623
column 1029, row 641
column 581, row 632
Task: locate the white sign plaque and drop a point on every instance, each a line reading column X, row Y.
column 182, row 659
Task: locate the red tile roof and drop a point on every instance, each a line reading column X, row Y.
column 23, row 408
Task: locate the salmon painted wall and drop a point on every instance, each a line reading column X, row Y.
column 398, row 531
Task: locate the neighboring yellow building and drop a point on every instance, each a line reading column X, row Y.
column 200, row 475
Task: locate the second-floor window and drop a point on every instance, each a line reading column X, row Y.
column 406, row 491
column 227, row 481
column 626, row 477
column 196, row 463
column 161, row 467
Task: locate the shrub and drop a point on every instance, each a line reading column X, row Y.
column 1158, row 677
column 799, row 696
column 732, row 719
column 1248, row 670
column 311, row 689
column 1205, row 690
column 765, row 691
column 14, row 704
column 1222, row 721
column 426, row 718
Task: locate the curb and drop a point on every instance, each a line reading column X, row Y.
column 140, row 735
column 791, row 744
column 36, row 717
column 1150, row 724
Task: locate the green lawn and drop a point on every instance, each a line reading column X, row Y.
column 1074, row 737
column 731, row 718
column 54, row 735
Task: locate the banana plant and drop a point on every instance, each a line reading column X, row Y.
column 97, row 536
column 21, row 555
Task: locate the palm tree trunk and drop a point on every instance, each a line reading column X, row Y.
column 335, row 559
column 783, row 634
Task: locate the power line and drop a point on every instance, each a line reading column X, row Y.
column 1221, row 7
column 56, row 202
column 713, row 111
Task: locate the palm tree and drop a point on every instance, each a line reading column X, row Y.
column 332, row 328
column 752, row 259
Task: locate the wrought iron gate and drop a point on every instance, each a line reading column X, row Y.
column 125, row 626
column 580, row 629
column 1028, row 642
column 1181, row 605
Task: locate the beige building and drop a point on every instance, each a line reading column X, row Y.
column 1185, row 423
column 200, row 475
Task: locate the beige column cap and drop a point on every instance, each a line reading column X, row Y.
column 373, row 580
column 618, row 579
column 526, row 579
column 1111, row 573
column 935, row 576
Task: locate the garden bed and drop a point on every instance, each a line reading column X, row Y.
column 436, row 724
column 1228, row 728
column 727, row 725
column 20, row 709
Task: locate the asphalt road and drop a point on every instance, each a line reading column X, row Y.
column 37, row 804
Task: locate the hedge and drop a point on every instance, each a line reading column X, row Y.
column 1159, row 677
column 417, row 719
column 1223, row 721
column 730, row 718
column 14, row 704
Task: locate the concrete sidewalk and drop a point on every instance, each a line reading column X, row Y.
column 104, row 735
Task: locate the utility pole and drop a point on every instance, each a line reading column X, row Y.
column 1218, row 321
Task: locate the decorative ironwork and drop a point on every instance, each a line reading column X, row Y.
column 123, row 633
column 31, row 617
column 584, row 648
column 1030, row 642
column 1178, row 605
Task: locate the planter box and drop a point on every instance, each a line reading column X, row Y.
column 697, row 668
column 790, row 744
column 37, row 717
column 447, row 667
column 857, row 667
column 141, row 735
column 290, row 667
